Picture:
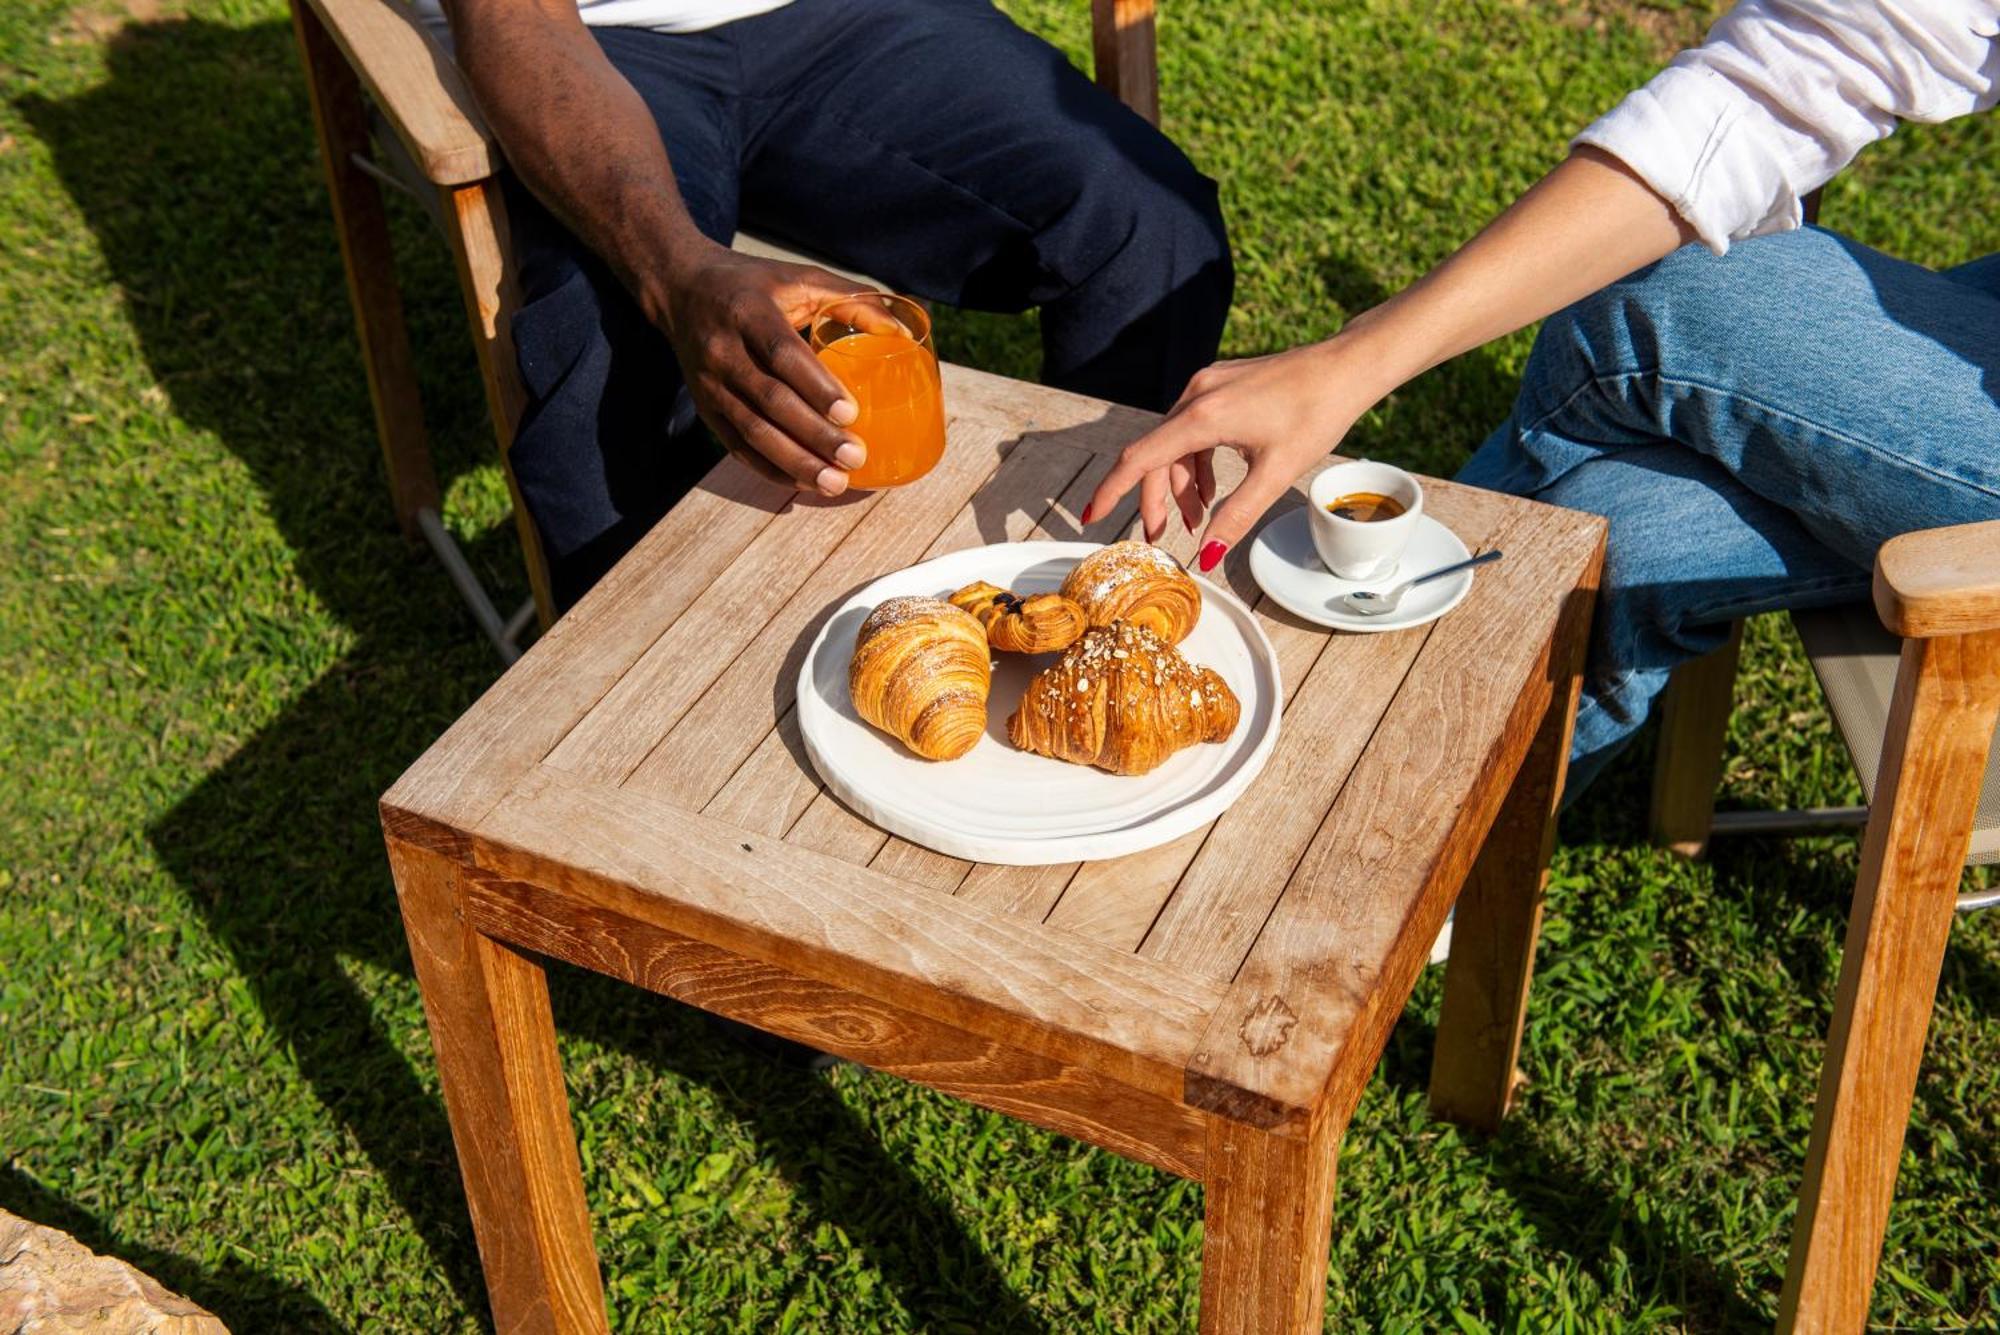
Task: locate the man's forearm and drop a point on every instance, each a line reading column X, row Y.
column 579, row 136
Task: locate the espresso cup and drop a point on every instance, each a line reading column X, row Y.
column 1363, row 549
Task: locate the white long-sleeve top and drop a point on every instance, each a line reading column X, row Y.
column 1782, row 94
column 659, row 15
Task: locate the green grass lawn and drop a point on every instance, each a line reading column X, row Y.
column 215, row 653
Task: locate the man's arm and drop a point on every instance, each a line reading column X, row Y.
column 580, row 137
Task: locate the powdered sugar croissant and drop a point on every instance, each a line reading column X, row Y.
column 1139, row 584
column 1041, row 623
column 921, row 673
column 1123, row 700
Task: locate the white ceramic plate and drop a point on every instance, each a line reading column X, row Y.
column 998, row 804
column 1286, row 567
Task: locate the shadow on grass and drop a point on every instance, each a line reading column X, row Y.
column 195, row 166
column 1576, row 1211
column 234, row 1291
column 1654, row 1220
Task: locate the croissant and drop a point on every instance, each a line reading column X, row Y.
column 921, row 672
column 1137, row 583
column 1038, row 624
column 1123, row 700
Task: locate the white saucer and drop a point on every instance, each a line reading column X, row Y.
column 1286, row 567
column 999, row 804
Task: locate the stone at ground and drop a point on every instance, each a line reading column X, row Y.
column 51, row 1284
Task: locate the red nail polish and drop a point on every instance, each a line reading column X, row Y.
column 1212, row 554
column 1084, row 518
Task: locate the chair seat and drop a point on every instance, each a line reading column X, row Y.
column 1855, row 659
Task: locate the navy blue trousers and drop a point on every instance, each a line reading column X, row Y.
column 930, row 143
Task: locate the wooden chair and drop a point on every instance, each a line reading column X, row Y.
column 1913, row 685
column 1914, row 688
column 392, row 109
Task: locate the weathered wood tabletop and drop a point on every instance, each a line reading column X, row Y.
column 633, row 797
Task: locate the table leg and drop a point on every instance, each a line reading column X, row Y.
column 1268, row 1227
column 1493, row 936
column 494, row 1035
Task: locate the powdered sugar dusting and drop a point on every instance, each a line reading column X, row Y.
column 1097, row 574
column 901, row 611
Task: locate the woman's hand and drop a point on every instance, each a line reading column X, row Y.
column 1282, row 413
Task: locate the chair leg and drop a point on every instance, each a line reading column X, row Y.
column 1694, row 716
column 342, row 125
column 1125, row 51
column 1940, row 726
column 476, row 226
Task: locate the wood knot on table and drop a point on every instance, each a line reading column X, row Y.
column 1267, row 1026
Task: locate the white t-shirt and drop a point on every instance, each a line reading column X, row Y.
column 659, row 15
column 1782, row 94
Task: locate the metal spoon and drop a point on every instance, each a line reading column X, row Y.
column 1381, row 604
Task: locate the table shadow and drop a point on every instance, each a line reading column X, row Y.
column 194, row 165
column 1574, row 1210
column 1572, row 1205
column 235, row 1291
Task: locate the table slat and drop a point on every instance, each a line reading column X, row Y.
column 1118, row 901
column 608, row 743
column 1223, row 899
column 1035, row 890
column 913, row 862
column 829, row 826
column 1336, row 957
column 722, row 728
column 773, row 787
column 1042, row 413
column 582, row 656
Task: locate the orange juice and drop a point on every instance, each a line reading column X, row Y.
column 894, row 381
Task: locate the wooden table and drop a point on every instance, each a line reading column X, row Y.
column 633, row 797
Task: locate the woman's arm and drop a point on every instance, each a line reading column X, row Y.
column 1584, row 225
column 1721, row 145
column 1782, row 94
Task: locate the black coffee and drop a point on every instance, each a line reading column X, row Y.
column 1365, row 507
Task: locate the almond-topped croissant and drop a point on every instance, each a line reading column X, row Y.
column 921, row 672
column 1038, row 624
column 1137, row 583
column 1123, row 700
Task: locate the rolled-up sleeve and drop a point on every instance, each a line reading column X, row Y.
column 1783, row 93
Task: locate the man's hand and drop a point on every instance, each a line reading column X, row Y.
column 733, row 321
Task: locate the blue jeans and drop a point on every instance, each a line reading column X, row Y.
column 932, row 144
column 1753, row 427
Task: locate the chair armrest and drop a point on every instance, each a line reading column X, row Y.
column 1940, row 581
column 417, row 86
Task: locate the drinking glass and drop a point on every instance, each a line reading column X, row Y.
column 879, row 346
